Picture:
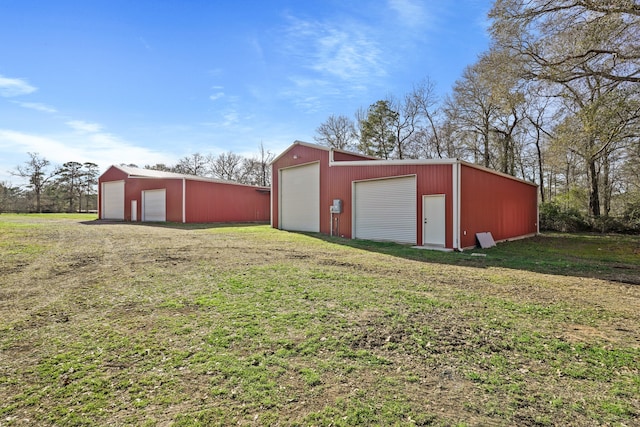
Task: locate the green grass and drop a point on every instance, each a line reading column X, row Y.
column 51, row 216
column 613, row 257
column 121, row 324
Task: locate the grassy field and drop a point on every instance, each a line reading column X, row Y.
column 194, row 325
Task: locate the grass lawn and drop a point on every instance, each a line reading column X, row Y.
column 200, row 325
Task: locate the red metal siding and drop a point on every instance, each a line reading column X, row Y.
column 205, row 201
column 133, row 188
column 217, row 202
column 303, row 154
column 339, row 156
column 488, row 202
column 111, row 174
column 431, row 179
column 336, row 183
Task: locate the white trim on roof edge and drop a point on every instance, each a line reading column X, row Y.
column 427, row 162
column 318, row 147
column 374, row 161
column 139, row 173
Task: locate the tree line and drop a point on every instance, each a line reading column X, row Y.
column 229, row 166
column 554, row 100
column 72, row 186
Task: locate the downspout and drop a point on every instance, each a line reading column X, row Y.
column 537, row 216
column 184, row 200
column 456, row 205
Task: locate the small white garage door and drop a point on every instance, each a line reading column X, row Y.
column 300, row 198
column 113, row 200
column 385, row 209
column 154, row 205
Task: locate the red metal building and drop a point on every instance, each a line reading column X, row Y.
column 133, row 194
column 440, row 203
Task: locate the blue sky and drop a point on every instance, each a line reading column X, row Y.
column 145, row 82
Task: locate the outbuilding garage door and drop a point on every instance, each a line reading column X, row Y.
column 154, row 205
column 113, row 200
column 300, row 198
column 385, row 209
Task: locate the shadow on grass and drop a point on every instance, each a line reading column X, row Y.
column 174, row 225
column 600, row 256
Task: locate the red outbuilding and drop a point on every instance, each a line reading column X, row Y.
column 133, row 194
column 439, row 203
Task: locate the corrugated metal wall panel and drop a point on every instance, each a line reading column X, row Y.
column 299, row 155
column 173, row 187
column 111, row 174
column 430, row 179
column 505, row 207
column 385, row 210
column 218, row 202
column 300, row 198
column 336, row 183
column 205, row 201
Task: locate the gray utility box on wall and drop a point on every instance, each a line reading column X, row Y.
column 336, row 207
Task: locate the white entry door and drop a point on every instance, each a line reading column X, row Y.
column 134, row 210
column 434, row 230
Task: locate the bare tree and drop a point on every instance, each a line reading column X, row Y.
column 35, row 170
column 227, row 166
column 195, row 164
column 424, row 98
column 565, row 40
column 406, row 124
column 160, row 167
column 600, row 119
column 537, row 115
column 474, row 109
column 337, row 132
column 265, row 157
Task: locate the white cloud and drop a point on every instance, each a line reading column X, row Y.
column 410, row 12
column 84, row 127
column 101, row 148
column 231, row 117
column 14, row 87
column 341, row 58
column 36, row 106
column 216, row 96
column 49, row 148
column 348, row 52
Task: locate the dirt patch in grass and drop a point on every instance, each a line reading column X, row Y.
column 123, row 324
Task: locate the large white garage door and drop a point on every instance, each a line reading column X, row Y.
column 113, row 200
column 385, row 209
column 154, row 205
column 300, row 198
